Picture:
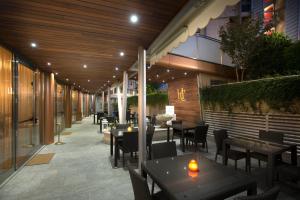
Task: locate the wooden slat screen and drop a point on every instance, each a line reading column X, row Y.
column 247, row 125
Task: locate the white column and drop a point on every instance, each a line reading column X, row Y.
column 142, row 104
column 124, row 99
column 103, row 101
column 119, row 103
column 108, row 102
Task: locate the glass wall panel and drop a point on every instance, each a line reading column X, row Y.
column 60, row 111
column 28, row 139
column 74, row 104
column 6, row 139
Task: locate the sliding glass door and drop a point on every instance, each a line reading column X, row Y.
column 6, row 128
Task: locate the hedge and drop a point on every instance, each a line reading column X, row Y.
column 151, row 99
column 278, row 93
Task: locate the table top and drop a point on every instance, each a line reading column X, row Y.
column 213, row 181
column 259, row 146
column 117, row 133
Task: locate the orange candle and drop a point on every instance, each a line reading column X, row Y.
column 193, row 166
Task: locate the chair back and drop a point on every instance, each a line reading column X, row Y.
column 149, row 134
column 269, row 195
column 130, row 141
column 139, row 185
column 153, row 120
column 122, row 126
column 220, row 136
column 201, row 133
column 163, row 150
column 271, row 136
column 110, row 119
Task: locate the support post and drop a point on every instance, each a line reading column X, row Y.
column 103, row 99
column 108, row 102
column 124, row 101
column 119, row 104
column 142, row 105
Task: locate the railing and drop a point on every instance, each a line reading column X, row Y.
column 247, row 125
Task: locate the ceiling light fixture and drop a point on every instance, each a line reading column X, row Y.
column 117, row 68
column 163, row 81
column 168, row 70
column 122, row 53
column 67, row 79
column 74, row 84
column 173, row 78
column 114, row 76
column 149, row 79
column 49, row 64
column 134, row 18
column 56, row 73
column 84, row 66
column 108, row 81
column 33, row 45
column 185, row 73
column 157, row 75
column 89, row 80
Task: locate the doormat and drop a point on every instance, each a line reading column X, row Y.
column 40, row 159
column 66, row 133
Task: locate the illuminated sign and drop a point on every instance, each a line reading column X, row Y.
column 180, row 94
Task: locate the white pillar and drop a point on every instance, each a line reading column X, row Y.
column 119, row 104
column 103, row 101
column 108, row 102
column 124, row 99
column 142, row 104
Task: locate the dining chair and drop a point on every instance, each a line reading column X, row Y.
column 268, row 195
column 129, row 144
column 199, row 136
column 122, row 126
column 220, row 136
column 176, row 132
column 149, row 137
column 268, row 136
column 141, row 189
column 163, row 150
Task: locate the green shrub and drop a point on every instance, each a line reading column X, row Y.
column 278, row 93
column 292, row 58
column 151, row 99
column 268, row 57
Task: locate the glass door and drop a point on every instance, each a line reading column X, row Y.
column 60, row 114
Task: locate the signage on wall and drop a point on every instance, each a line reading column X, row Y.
column 180, row 94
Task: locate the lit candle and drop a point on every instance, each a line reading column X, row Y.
column 129, row 129
column 193, row 166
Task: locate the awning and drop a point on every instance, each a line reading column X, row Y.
column 200, row 17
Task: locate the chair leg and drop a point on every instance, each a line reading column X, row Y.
column 216, row 157
column 196, row 145
column 235, row 164
column 152, row 189
column 259, row 164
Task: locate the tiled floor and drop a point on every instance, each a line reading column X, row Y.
column 81, row 169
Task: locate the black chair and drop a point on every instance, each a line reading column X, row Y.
column 163, row 150
column 141, row 189
column 269, row 136
column 199, row 136
column 122, row 126
column 220, row 136
column 149, row 137
column 176, row 132
column 110, row 120
column 129, row 144
column 269, row 195
column 153, row 120
column 290, row 173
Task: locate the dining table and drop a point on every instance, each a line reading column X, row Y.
column 213, row 181
column 184, row 130
column 116, row 136
column 269, row 149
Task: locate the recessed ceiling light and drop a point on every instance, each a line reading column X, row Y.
column 56, row 73
column 84, row 66
column 89, row 80
column 157, row 75
column 33, row 44
column 149, row 79
column 168, row 70
column 74, row 84
column 134, row 18
column 185, row 73
column 114, row 76
column 117, row 68
column 122, row 53
column 108, row 81
column 67, row 79
column 173, row 78
column 163, row 81
column 105, row 84
column 79, row 86
column 49, row 64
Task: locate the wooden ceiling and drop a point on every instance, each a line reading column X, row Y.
column 70, row 34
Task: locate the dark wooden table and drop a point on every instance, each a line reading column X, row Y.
column 214, row 181
column 116, row 135
column 184, row 129
column 271, row 150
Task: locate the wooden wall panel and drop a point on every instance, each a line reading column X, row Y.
column 68, row 107
column 187, row 110
column 74, row 104
column 5, row 110
column 79, row 113
column 49, row 108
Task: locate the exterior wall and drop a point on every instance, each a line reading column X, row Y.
column 292, row 14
